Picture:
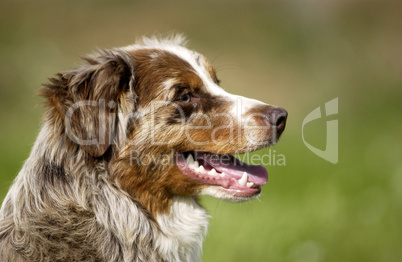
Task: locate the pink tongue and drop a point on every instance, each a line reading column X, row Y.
column 235, row 168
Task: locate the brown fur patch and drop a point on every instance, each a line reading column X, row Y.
column 153, row 184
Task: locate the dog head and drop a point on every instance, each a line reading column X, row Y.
column 155, row 112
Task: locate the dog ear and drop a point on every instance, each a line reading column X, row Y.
column 96, row 88
column 89, row 97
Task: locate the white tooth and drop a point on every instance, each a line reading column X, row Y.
column 243, row 179
column 202, row 170
column 213, row 172
column 249, row 184
column 223, row 174
column 190, row 159
column 196, row 164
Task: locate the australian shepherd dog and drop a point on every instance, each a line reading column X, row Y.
column 129, row 141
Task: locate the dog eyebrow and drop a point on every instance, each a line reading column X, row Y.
column 178, row 89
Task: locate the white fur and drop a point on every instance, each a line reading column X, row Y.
column 183, row 230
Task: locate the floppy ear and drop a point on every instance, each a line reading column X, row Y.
column 89, row 97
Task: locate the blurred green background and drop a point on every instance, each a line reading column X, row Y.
column 295, row 54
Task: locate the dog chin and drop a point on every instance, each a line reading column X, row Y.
column 221, row 193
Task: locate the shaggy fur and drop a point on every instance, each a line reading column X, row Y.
column 81, row 196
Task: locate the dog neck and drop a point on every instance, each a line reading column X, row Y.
column 182, row 230
column 177, row 235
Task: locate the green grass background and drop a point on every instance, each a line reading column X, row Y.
column 296, row 54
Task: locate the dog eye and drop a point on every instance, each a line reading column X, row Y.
column 186, row 98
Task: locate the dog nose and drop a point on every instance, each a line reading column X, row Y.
column 277, row 118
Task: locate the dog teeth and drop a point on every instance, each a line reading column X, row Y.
column 249, row 184
column 243, row 180
column 213, row 172
column 202, row 170
column 222, row 174
column 190, row 160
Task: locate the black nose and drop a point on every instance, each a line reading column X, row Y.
column 277, row 118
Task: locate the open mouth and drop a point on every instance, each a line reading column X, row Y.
column 232, row 175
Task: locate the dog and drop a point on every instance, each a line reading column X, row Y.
column 129, row 141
